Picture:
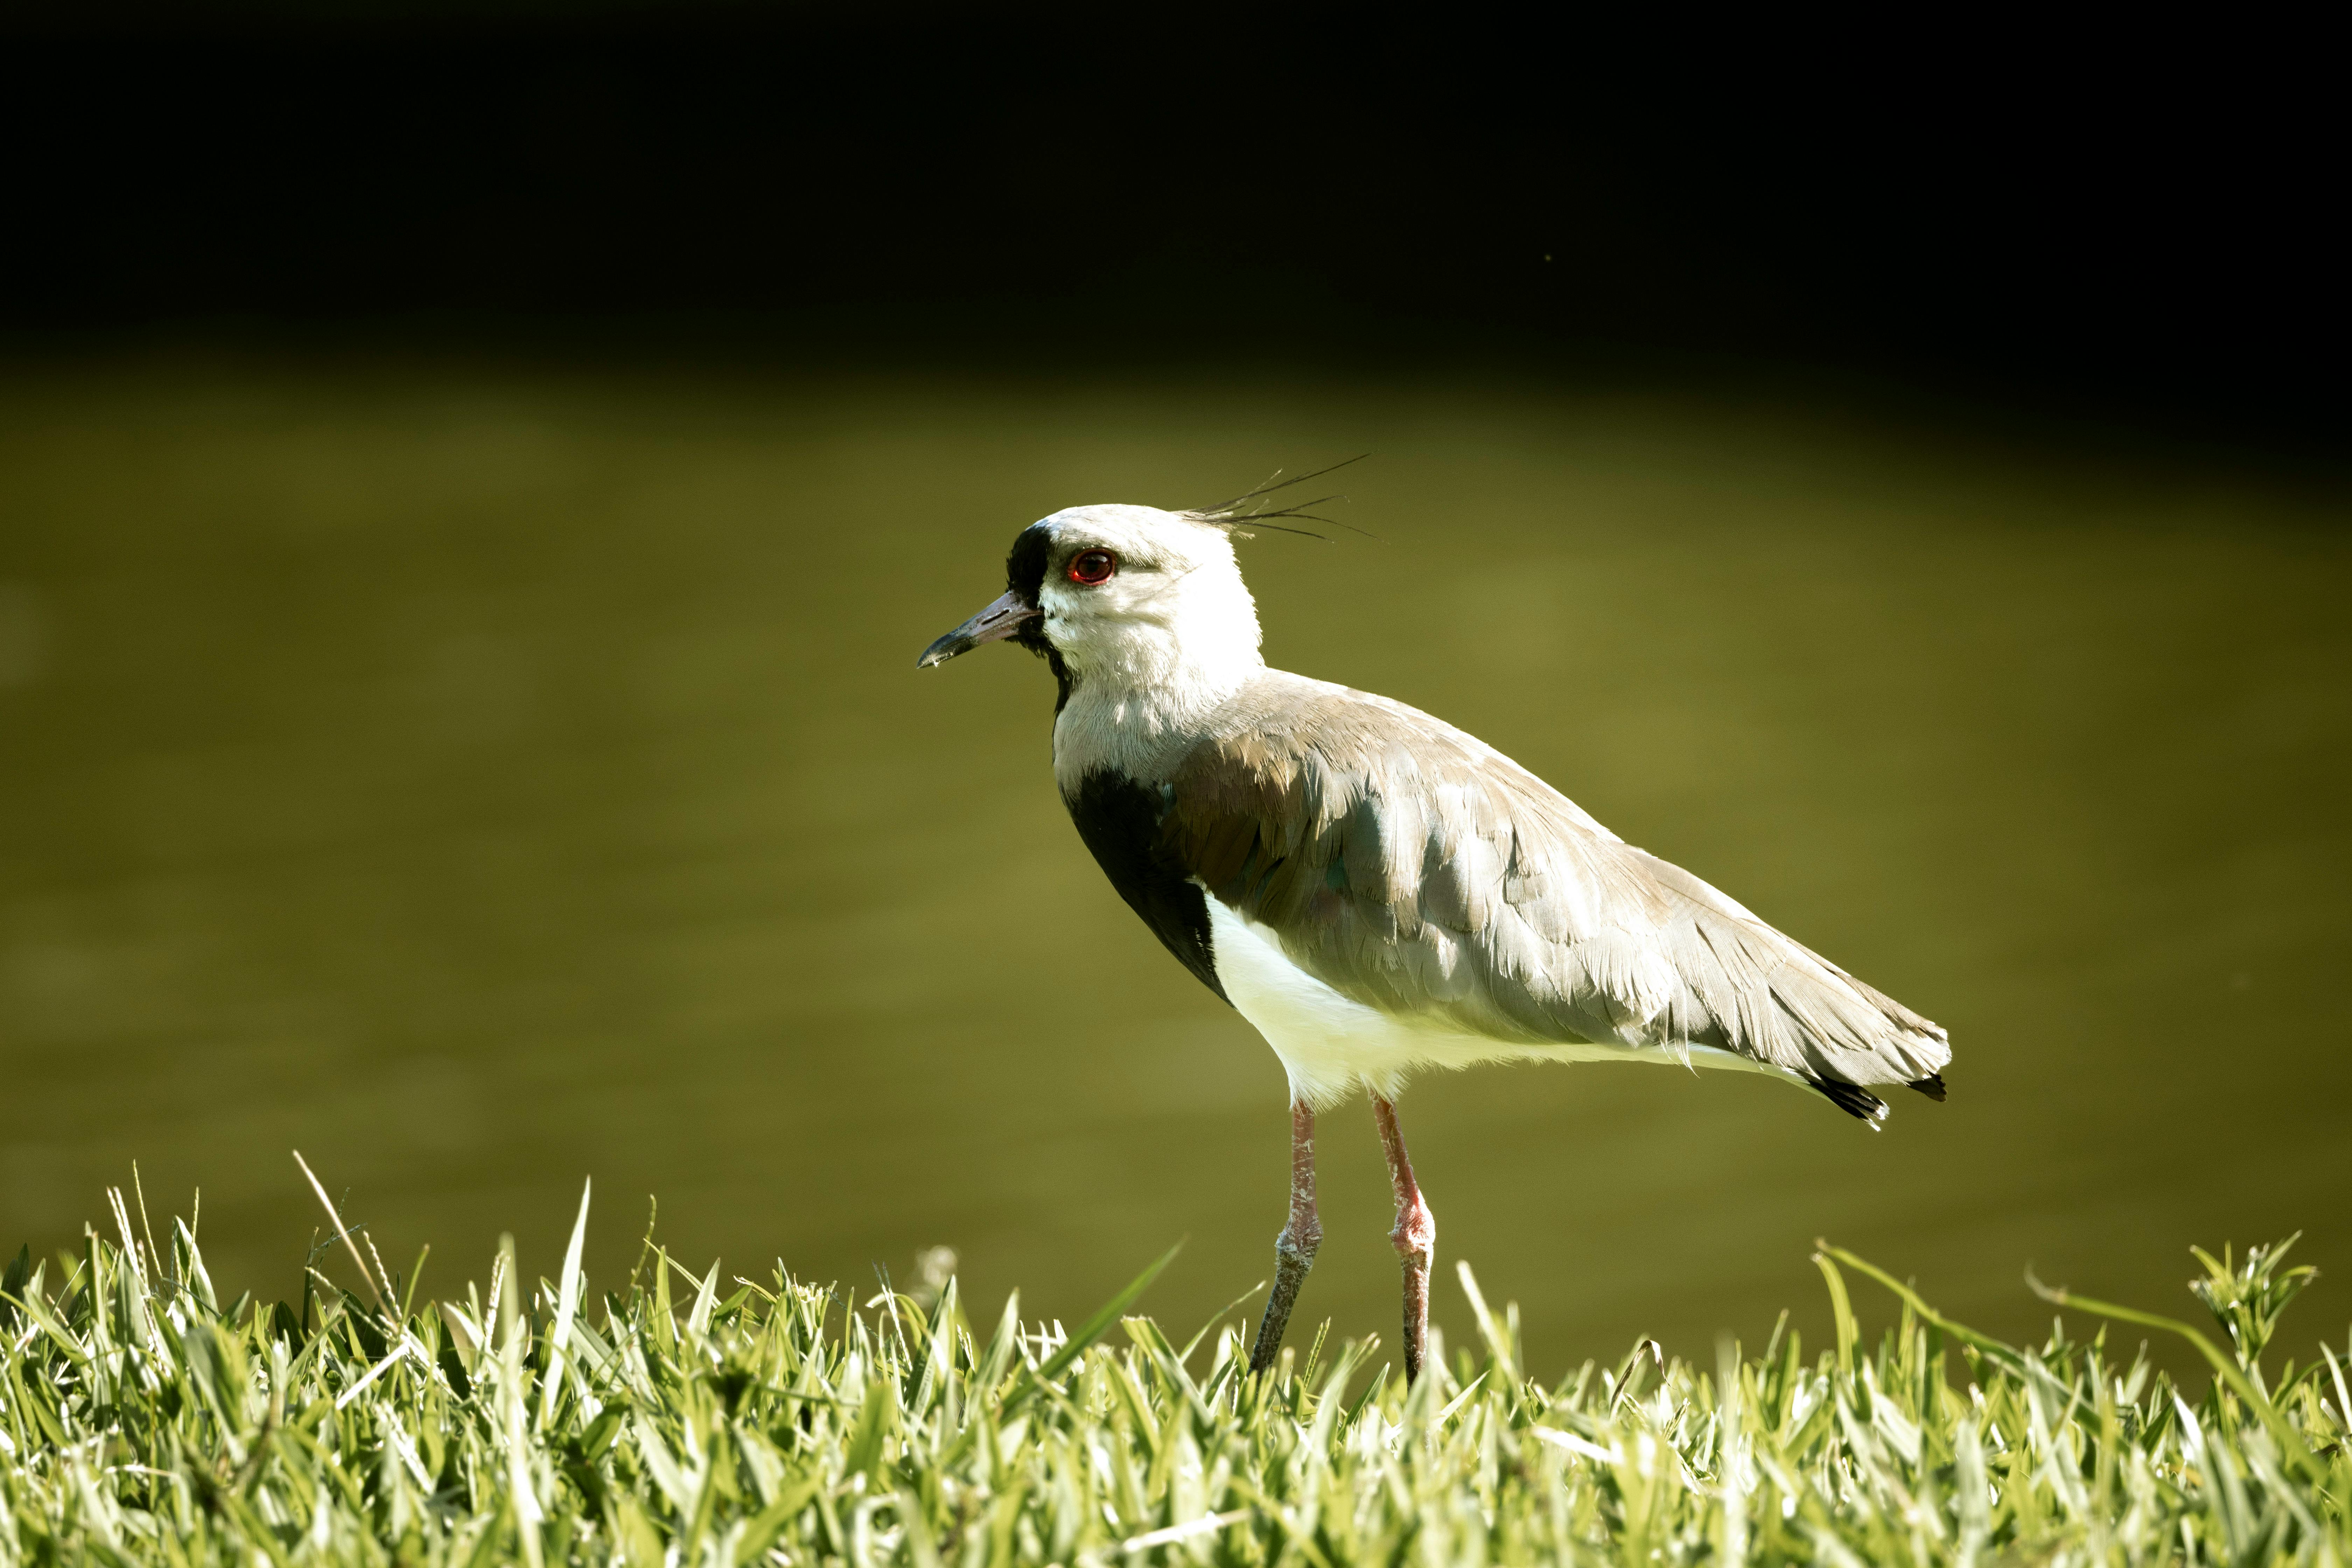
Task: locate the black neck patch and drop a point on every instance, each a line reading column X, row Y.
column 1033, row 637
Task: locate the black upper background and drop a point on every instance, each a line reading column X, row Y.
column 2120, row 219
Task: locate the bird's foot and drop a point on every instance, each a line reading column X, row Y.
column 1294, row 1255
column 1294, row 1249
column 1415, row 1240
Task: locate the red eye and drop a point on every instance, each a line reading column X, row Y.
column 1093, row 566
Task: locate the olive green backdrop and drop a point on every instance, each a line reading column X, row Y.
column 482, row 779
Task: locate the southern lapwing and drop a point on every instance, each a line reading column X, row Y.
column 1376, row 892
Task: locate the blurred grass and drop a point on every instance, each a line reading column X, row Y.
column 683, row 1419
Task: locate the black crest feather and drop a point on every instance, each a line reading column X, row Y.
column 1252, row 509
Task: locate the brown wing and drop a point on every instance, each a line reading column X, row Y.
column 1416, row 869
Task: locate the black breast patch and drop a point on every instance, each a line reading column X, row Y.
column 1120, row 820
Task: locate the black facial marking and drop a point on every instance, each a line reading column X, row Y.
column 1024, row 576
column 1025, row 567
column 1120, row 820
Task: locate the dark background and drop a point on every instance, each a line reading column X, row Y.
column 2121, row 222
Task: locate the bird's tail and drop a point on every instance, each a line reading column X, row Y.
column 1858, row 1102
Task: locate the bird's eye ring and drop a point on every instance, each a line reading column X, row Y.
column 1091, row 568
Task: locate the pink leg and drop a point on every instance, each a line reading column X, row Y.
column 1414, row 1237
column 1294, row 1249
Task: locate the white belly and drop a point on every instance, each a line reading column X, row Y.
column 1332, row 1045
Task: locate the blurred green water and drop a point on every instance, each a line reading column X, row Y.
column 480, row 780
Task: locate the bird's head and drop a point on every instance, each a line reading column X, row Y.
column 1128, row 595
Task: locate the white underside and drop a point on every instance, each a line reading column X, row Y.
column 1332, row 1045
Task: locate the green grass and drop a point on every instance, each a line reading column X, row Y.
column 701, row 1420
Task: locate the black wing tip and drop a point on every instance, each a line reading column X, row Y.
column 1853, row 1099
column 1932, row 1085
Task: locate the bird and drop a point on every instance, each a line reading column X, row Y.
column 1375, row 891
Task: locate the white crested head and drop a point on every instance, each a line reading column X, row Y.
column 1135, row 598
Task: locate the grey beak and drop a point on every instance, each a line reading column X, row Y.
column 994, row 624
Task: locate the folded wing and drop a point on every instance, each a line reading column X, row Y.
column 1414, row 868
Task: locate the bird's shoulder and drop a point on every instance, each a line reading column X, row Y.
column 1336, row 816
column 1292, row 747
